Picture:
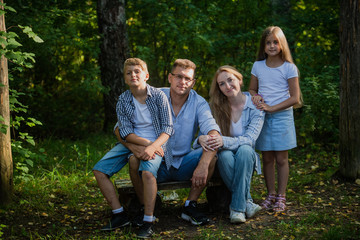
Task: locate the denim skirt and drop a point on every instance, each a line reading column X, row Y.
column 278, row 132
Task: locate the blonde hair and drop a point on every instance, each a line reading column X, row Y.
column 279, row 34
column 285, row 52
column 219, row 104
column 135, row 62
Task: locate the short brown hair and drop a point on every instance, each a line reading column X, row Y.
column 184, row 63
column 135, row 62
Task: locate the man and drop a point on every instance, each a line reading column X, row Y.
column 190, row 112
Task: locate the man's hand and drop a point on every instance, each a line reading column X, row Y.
column 200, row 176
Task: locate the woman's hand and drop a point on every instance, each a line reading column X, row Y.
column 210, row 142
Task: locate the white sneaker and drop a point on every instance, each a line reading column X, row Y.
column 251, row 209
column 237, row 217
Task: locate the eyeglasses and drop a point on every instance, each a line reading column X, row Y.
column 179, row 77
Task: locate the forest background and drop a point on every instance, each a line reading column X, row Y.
column 56, row 93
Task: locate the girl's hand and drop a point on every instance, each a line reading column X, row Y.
column 265, row 107
column 257, row 99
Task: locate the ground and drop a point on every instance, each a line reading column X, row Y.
column 316, row 212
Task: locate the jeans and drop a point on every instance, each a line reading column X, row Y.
column 236, row 169
column 184, row 172
column 114, row 160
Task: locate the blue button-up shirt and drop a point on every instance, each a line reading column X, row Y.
column 160, row 112
column 194, row 114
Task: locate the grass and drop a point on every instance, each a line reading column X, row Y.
column 59, row 199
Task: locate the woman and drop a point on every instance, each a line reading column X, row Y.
column 240, row 123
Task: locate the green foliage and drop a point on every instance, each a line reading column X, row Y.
column 318, row 120
column 24, row 157
column 63, row 90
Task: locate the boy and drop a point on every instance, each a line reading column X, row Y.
column 144, row 118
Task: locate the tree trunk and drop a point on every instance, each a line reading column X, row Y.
column 350, row 88
column 6, row 164
column 114, row 51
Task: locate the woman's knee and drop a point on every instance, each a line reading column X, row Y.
column 225, row 158
column 246, row 152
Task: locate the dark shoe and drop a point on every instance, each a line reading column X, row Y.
column 138, row 219
column 146, row 230
column 191, row 214
column 117, row 220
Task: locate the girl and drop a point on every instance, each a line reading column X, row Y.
column 240, row 123
column 274, row 87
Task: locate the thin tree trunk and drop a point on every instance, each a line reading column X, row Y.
column 6, row 164
column 114, row 51
column 350, row 88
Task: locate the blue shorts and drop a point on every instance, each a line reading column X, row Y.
column 184, row 172
column 114, row 160
column 278, row 132
column 151, row 165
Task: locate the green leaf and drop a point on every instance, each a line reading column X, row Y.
column 29, row 162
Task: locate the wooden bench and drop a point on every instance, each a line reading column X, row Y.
column 216, row 193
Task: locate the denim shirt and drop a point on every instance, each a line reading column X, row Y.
column 252, row 122
column 160, row 111
column 194, row 114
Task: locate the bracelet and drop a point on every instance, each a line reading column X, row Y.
column 258, row 95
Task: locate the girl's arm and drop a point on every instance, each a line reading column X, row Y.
column 294, row 90
column 253, row 90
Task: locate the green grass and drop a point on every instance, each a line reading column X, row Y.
column 59, row 199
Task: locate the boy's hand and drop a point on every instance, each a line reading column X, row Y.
column 149, row 153
column 159, row 151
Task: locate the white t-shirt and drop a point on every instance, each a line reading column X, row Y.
column 237, row 129
column 143, row 126
column 273, row 82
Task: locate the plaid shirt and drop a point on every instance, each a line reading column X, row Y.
column 160, row 111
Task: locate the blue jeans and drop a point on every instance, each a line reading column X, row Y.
column 184, row 172
column 236, row 169
column 113, row 161
column 151, row 165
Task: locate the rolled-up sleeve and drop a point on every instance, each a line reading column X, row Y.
column 123, row 111
column 207, row 122
column 165, row 115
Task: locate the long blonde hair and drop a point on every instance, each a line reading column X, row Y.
column 219, row 103
column 279, row 34
column 285, row 51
